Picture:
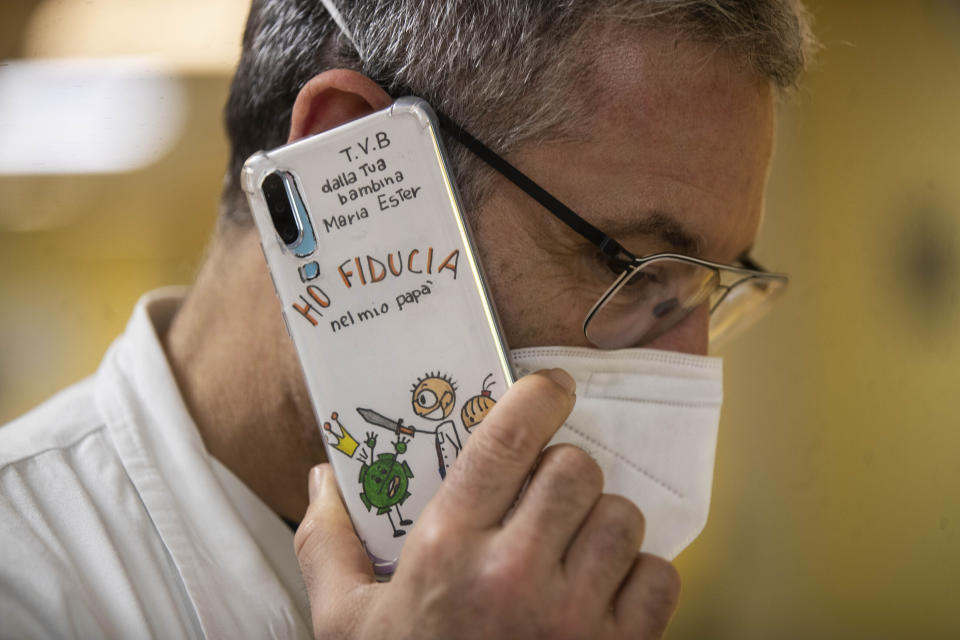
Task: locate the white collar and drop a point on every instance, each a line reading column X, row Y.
column 234, row 554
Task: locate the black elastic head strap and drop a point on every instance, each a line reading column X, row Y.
column 607, row 245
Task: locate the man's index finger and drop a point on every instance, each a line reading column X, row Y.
column 484, row 481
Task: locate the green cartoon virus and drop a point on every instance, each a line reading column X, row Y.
column 385, row 482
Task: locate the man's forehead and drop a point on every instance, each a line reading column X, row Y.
column 656, row 64
column 688, row 131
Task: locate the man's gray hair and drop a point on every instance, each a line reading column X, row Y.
column 501, row 68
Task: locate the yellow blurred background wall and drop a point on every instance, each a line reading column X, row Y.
column 836, row 507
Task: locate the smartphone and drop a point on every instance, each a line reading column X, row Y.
column 385, row 302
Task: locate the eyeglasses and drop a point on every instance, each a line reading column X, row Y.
column 650, row 294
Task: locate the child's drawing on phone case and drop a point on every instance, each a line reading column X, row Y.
column 434, row 397
column 385, row 481
column 476, row 408
column 378, row 282
column 385, row 477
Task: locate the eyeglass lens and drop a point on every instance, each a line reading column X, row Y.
column 739, row 305
column 656, row 296
column 648, row 301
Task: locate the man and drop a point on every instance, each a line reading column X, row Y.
column 144, row 502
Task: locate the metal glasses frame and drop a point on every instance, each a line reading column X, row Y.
column 613, row 250
column 638, row 263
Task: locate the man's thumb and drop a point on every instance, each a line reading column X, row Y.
column 332, row 559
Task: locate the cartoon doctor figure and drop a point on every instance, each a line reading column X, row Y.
column 434, row 397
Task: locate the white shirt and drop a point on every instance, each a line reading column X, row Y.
column 116, row 522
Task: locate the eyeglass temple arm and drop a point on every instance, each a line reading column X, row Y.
column 607, row 245
column 747, row 260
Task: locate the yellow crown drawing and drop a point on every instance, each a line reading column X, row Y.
column 343, row 441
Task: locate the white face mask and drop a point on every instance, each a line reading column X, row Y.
column 650, row 419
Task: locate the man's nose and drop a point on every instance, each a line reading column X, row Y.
column 690, row 335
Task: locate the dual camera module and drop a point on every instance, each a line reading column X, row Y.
column 288, row 213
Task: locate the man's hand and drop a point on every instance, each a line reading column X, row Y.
column 564, row 564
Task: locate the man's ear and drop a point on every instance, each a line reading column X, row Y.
column 333, row 97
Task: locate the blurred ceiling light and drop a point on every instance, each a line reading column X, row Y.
column 188, row 35
column 86, row 116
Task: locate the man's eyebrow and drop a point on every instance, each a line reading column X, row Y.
column 661, row 225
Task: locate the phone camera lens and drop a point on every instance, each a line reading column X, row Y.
column 281, row 211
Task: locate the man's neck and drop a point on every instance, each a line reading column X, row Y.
column 239, row 377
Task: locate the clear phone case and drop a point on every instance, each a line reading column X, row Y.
column 387, row 308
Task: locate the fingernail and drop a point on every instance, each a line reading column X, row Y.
column 315, row 481
column 562, row 378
